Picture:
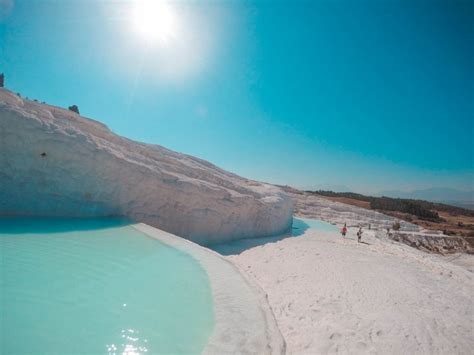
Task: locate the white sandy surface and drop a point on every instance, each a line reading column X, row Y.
column 333, row 295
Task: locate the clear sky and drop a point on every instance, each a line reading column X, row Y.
column 372, row 95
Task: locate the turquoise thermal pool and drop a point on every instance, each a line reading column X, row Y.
column 98, row 286
column 301, row 224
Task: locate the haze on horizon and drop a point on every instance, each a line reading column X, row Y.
column 370, row 95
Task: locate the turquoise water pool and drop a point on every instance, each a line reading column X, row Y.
column 98, row 286
column 302, row 224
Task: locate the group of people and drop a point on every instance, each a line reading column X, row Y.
column 359, row 233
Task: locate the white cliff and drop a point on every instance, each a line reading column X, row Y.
column 54, row 162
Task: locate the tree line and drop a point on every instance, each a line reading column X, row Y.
column 422, row 209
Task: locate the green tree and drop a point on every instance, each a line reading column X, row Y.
column 74, row 108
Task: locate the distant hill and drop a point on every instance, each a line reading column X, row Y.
column 463, row 204
column 436, row 194
column 328, row 187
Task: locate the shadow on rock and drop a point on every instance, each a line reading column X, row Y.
column 238, row 246
column 35, row 225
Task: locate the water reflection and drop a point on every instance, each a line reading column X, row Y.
column 131, row 344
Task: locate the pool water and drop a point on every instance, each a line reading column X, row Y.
column 302, row 224
column 98, row 286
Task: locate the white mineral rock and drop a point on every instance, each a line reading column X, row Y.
column 53, row 162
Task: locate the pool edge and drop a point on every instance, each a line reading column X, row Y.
column 243, row 323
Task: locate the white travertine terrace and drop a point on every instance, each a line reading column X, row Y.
column 53, row 162
column 243, row 320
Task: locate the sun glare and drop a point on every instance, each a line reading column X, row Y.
column 154, row 20
column 167, row 39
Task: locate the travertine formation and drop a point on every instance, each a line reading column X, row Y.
column 313, row 206
column 54, row 162
column 432, row 242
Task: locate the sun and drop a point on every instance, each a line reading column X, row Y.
column 155, row 20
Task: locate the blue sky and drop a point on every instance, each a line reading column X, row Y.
column 372, row 95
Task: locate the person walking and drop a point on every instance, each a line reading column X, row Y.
column 359, row 235
column 344, row 230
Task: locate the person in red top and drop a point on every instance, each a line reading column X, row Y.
column 344, row 230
